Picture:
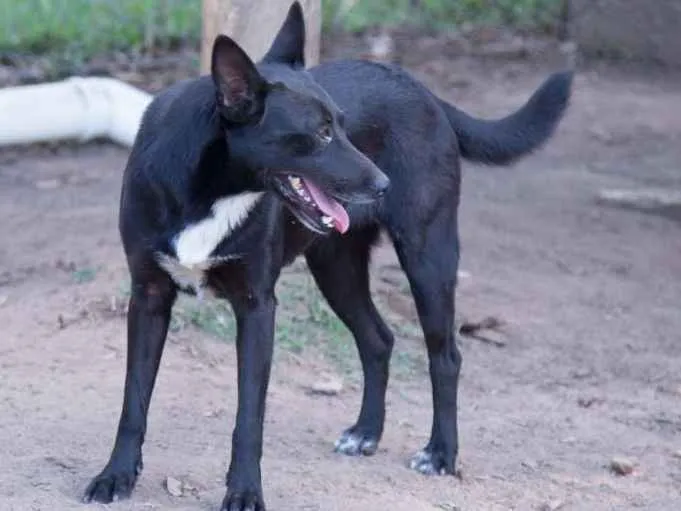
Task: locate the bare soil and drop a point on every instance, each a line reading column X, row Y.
column 589, row 367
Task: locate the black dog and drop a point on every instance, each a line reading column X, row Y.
column 232, row 176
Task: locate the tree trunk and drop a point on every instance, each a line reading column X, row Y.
column 254, row 23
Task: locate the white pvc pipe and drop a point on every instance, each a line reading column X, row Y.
column 77, row 108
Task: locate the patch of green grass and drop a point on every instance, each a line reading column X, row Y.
column 78, row 29
column 213, row 317
column 84, row 275
column 438, row 14
column 305, row 322
column 81, row 28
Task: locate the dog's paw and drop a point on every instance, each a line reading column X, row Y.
column 243, row 501
column 111, row 485
column 431, row 463
column 355, row 443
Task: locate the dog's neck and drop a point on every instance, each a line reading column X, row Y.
column 232, row 191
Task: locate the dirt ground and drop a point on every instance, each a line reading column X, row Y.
column 589, row 369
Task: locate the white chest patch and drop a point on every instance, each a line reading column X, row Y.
column 195, row 244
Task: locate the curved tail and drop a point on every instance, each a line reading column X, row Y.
column 503, row 141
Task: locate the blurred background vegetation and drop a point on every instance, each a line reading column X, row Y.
column 79, row 29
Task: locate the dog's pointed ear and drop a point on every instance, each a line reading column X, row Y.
column 237, row 81
column 289, row 45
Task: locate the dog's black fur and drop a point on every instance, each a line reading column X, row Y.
column 242, row 130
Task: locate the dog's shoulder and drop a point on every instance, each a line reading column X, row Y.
column 191, row 97
column 177, row 126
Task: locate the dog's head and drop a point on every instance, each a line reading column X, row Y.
column 285, row 127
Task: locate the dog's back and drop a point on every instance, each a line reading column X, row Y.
column 387, row 97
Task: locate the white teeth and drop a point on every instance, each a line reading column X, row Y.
column 297, row 185
column 295, row 182
column 327, row 220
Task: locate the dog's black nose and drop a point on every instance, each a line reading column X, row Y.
column 381, row 185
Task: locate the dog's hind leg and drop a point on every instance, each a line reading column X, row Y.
column 427, row 246
column 340, row 268
column 149, row 312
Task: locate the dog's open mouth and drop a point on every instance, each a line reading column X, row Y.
column 315, row 209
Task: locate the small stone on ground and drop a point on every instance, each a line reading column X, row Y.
column 174, row 487
column 622, row 466
column 330, row 386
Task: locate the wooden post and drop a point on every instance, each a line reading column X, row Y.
column 254, row 23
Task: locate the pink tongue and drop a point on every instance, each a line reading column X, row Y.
column 330, row 207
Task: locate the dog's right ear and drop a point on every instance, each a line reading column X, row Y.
column 289, row 44
column 238, row 84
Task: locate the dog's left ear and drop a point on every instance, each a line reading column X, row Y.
column 238, row 83
column 289, row 45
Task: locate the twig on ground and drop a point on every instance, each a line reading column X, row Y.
column 473, row 329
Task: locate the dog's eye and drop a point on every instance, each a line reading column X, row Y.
column 325, row 134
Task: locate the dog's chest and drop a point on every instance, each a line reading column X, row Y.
column 192, row 249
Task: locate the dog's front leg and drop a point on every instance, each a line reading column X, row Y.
column 149, row 312
column 255, row 335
